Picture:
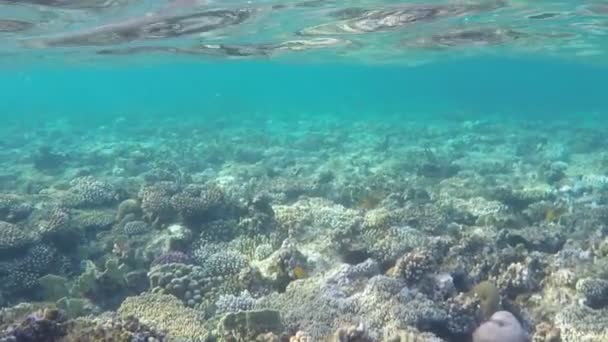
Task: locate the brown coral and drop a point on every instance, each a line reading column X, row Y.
column 414, row 265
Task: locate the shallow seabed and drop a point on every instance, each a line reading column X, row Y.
column 192, row 170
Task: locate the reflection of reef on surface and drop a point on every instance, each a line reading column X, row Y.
column 152, row 27
column 358, row 21
column 81, row 4
column 542, row 16
column 8, row 25
column 262, row 30
column 468, row 37
column 226, row 50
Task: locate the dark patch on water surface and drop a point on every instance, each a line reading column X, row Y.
column 416, row 14
column 156, row 27
column 311, row 3
column 359, row 21
column 485, row 6
column 542, row 16
column 195, row 23
column 232, row 50
column 302, row 4
column 475, row 36
column 9, row 25
column 211, row 50
column 467, row 37
column 38, row 2
column 599, row 9
column 376, row 20
column 138, row 49
column 349, row 13
column 237, row 50
column 65, row 3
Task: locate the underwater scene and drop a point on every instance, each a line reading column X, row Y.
column 303, row 171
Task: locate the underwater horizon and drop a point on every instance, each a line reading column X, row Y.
column 517, row 87
column 303, row 171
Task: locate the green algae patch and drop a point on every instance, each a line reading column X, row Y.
column 489, row 296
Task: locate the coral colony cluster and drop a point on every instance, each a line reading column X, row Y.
column 315, row 230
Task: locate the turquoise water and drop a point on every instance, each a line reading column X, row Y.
column 476, row 87
column 193, row 57
column 303, row 171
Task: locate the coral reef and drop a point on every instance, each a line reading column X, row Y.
column 128, row 207
column 594, row 292
column 351, row 334
column 198, row 287
column 12, row 237
column 414, row 265
column 136, row 228
column 581, row 323
column 166, row 313
column 156, row 200
column 44, row 325
column 90, row 192
column 248, row 325
column 112, row 328
column 14, row 208
column 230, row 303
column 171, row 257
column 326, row 231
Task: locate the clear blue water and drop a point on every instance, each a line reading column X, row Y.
column 197, row 57
column 475, row 87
